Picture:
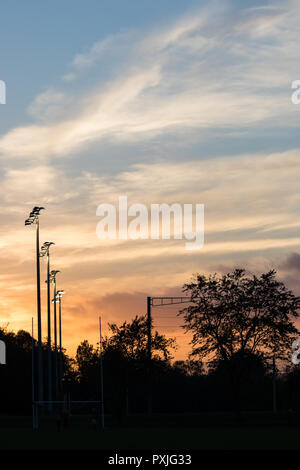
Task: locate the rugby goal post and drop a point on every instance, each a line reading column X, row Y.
column 65, row 414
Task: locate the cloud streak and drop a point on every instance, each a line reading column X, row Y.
column 186, row 76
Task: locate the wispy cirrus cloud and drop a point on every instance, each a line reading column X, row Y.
column 184, row 76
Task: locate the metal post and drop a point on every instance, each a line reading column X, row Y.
column 32, row 377
column 149, row 355
column 55, row 340
column 101, row 377
column 38, row 286
column 49, row 332
column 274, row 386
column 149, row 328
column 60, row 345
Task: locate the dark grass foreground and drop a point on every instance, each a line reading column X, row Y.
column 257, row 431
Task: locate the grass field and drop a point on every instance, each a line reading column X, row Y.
column 159, row 439
column 162, row 432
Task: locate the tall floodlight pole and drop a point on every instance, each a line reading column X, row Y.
column 53, row 279
column 45, row 251
column 34, row 219
column 101, row 376
column 149, row 355
column 59, row 295
column 274, row 385
column 32, row 378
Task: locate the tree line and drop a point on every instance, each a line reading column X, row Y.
column 239, row 324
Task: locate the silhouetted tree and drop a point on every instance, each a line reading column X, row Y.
column 87, row 368
column 125, row 355
column 234, row 316
column 87, row 357
column 190, row 367
column 131, row 340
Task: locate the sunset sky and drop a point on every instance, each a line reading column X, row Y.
column 162, row 101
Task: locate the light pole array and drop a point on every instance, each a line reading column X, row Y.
column 33, row 219
column 45, row 251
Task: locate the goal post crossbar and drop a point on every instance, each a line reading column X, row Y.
column 66, row 402
column 73, row 408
